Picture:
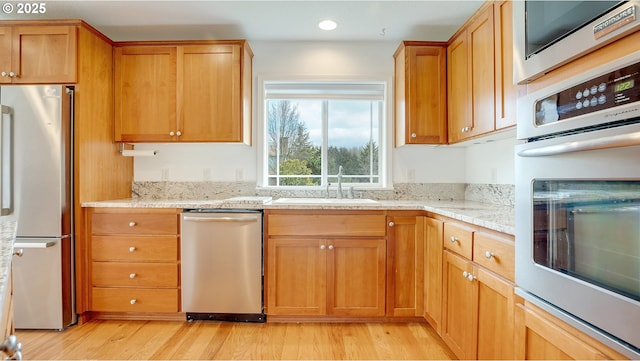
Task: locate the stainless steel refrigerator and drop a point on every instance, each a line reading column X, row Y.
column 37, row 191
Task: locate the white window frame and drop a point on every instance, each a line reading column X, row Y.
column 386, row 140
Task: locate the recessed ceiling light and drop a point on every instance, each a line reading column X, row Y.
column 327, row 25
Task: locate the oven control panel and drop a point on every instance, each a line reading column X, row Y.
column 615, row 88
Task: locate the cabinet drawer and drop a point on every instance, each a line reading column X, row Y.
column 495, row 254
column 134, row 248
column 120, row 274
column 459, row 239
column 134, row 300
column 325, row 225
column 134, row 223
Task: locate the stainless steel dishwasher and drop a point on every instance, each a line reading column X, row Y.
column 222, row 265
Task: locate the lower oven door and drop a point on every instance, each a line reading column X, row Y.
column 578, row 231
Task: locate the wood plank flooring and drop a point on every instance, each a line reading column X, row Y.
column 212, row 340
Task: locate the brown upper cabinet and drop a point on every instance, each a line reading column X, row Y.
column 38, row 54
column 183, row 91
column 471, row 78
column 420, row 93
column 481, row 93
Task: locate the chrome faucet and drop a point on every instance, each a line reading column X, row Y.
column 339, row 195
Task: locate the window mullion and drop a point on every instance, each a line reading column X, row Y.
column 325, row 142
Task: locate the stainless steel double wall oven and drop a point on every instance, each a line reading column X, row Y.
column 578, row 202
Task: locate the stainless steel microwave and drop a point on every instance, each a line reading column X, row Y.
column 548, row 34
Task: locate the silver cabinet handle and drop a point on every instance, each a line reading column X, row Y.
column 12, row 348
column 132, row 276
column 4, row 73
column 488, row 255
column 391, row 224
column 212, row 218
column 171, row 134
column 323, row 246
column 133, row 301
column 453, row 239
column 18, row 252
column 132, row 249
column 178, row 133
column 468, row 275
column 330, row 247
column 414, row 135
column 12, row 74
column 132, row 224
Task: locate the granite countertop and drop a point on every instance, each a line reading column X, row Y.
column 496, row 217
column 7, row 238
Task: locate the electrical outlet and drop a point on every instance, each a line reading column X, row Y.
column 494, row 175
column 206, row 174
column 411, row 175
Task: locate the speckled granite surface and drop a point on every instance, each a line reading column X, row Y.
column 486, row 205
column 7, row 239
column 496, row 217
column 485, row 193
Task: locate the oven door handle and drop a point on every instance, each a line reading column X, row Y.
column 614, row 141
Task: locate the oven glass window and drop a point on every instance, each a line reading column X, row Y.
column 589, row 230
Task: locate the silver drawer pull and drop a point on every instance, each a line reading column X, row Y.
column 453, row 239
column 132, row 249
column 132, row 276
column 132, row 224
column 488, row 255
column 133, row 301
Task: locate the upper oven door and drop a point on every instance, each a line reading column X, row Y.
column 603, row 95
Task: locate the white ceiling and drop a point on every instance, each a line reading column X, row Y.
column 387, row 20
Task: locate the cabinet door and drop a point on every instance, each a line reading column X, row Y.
column 356, row 277
column 44, row 54
column 145, row 94
column 5, row 54
column 540, row 336
column 297, row 273
column 458, row 87
column 481, row 62
column 506, row 90
column 405, row 264
column 471, row 79
column 421, row 116
column 210, row 93
column 433, row 272
column 495, row 305
column 459, row 308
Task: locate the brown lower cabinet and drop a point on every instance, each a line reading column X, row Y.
column 477, row 292
column 325, row 264
column 541, row 336
column 135, row 260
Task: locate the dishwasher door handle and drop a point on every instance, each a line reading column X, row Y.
column 220, row 219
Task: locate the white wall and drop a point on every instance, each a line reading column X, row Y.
column 324, row 61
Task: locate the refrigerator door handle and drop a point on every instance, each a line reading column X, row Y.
column 6, row 161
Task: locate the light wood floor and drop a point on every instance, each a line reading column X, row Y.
column 210, row 340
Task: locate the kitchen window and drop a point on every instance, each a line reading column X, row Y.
column 313, row 128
